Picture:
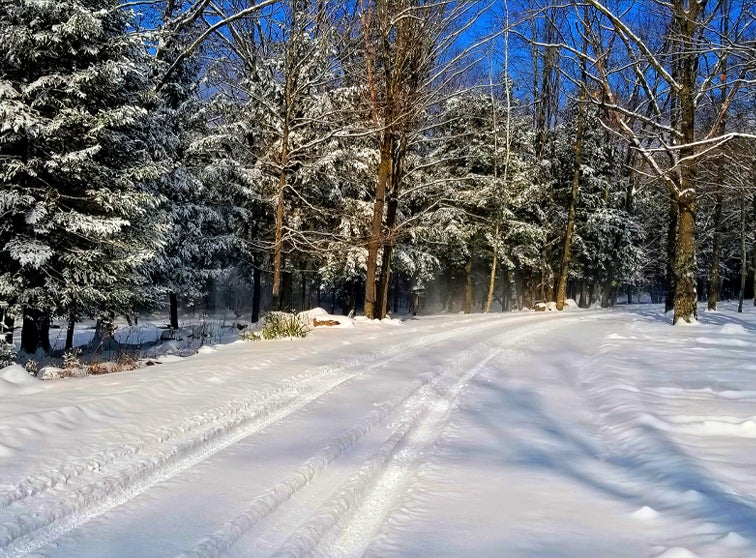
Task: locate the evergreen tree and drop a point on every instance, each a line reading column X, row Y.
column 76, row 162
column 488, row 196
column 198, row 238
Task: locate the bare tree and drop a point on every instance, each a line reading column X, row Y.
column 561, row 292
column 411, row 52
column 661, row 123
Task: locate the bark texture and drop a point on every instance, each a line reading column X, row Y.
column 686, row 299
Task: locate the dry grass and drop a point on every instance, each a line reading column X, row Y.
column 123, row 363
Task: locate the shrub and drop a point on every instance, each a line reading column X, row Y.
column 71, row 360
column 126, row 362
column 278, row 325
column 31, row 367
column 7, row 354
column 123, row 363
column 98, row 368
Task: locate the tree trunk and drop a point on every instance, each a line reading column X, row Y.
column 606, row 295
column 450, row 288
column 103, row 339
column 714, row 280
column 376, row 228
column 256, row 293
column 669, row 301
column 303, row 298
column 174, row 309
column 392, row 203
column 35, row 332
column 492, row 279
column 290, row 96
column 547, row 96
column 468, row 285
column 685, row 301
column 278, row 247
column 506, row 290
column 385, row 279
column 29, row 333
column 395, row 294
column 753, row 257
column 743, row 255
column 70, row 332
column 44, row 332
column 567, row 245
column 564, row 265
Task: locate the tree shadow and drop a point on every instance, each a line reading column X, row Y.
column 655, row 313
column 650, row 459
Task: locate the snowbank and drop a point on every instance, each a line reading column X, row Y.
column 14, row 379
column 138, row 335
column 320, row 318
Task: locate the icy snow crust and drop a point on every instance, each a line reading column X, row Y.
column 588, row 433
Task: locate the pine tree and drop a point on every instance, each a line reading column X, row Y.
column 76, row 162
column 198, row 237
column 487, row 196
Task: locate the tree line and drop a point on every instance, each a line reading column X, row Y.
column 501, row 153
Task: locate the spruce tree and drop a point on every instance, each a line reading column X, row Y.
column 76, row 161
column 198, row 238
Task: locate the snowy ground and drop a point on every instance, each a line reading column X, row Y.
column 579, row 434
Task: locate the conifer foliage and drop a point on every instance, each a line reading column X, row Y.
column 76, row 163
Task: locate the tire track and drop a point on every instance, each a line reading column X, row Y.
column 426, row 407
column 28, row 532
column 100, row 461
column 344, row 525
column 271, row 500
column 379, row 475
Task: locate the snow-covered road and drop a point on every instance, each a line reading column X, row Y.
column 585, row 433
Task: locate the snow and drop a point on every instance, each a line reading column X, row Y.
column 14, row 379
column 570, row 434
column 320, row 315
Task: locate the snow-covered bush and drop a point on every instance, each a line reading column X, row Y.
column 279, row 325
column 7, row 354
column 31, row 367
column 71, row 360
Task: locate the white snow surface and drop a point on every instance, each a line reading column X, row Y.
column 580, row 434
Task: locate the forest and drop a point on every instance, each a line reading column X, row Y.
column 372, row 156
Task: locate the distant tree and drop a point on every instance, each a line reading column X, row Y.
column 282, row 71
column 198, row 239
column 405, row 62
